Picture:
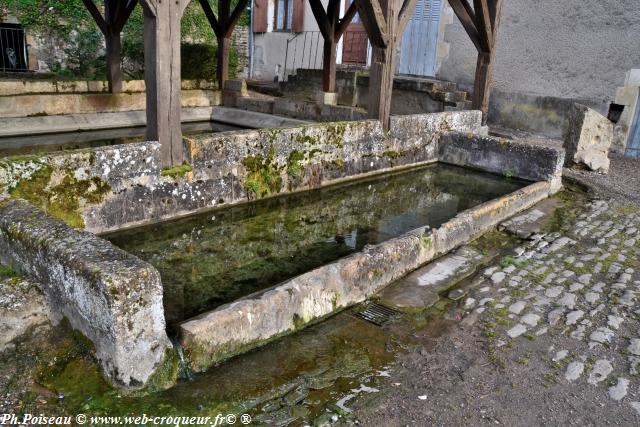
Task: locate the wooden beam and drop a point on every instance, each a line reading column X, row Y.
column 408, row 7
column 483, row 24
column 374, row 22
column 461, row 9
column 235, row 16
column 211, row 17
column 484, row 67
column 495, row 7
column 321, row 18
column 482, row 84
column 346, row 20
column 96, row 15
column 149, row 6
column 122, row 19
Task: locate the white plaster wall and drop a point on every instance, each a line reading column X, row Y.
column 271, row 47
column 579, row 49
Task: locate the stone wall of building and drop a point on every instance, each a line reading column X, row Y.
column 573, row 49
column 240, row 39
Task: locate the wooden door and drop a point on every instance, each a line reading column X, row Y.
column 354, row 41
column 419, row 48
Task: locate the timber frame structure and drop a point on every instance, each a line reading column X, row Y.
column 481, row 24
column 162, row 59
column 223, row 26
column 116, row 14
column 332, row 27
column 383, row 20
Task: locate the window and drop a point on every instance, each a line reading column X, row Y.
column 284, row 15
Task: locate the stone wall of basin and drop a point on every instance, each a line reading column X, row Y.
column 112, row 187
column 110, row 296
column 257, row 319
column 115, row 299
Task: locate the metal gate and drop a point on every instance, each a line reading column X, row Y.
column 633, row 146
column 419, row 48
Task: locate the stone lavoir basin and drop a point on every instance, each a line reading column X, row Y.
column 219, row 256
column 260, row 233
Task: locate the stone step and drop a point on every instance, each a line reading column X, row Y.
column 458, row 106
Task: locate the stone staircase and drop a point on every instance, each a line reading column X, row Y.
column 439, row 90
column 306, row 82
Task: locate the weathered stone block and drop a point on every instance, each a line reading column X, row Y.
column 588, row 139
column 329, row 98
column 238, row 86
column 112, row 297
column 520, row 159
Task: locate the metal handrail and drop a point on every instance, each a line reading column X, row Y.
column 309, row 54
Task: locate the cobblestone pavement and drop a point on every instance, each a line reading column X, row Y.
column 549, row 335
column 581, row 289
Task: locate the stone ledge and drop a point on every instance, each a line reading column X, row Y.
column 511, row 158
column 110, row 296
column 22, row 87
column 22, row 307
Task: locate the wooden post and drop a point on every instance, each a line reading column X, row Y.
column 481, row 24
column 384, row 21
column 116, row 14
column 332, row 27
column 223, row 26
column 162, row 76
column 224, row 44
column 114, row 62
column 329, row 66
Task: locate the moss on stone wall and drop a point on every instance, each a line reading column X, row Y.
column 178, row 171
column 294, row 163
column 263, row 175
column 64, row 198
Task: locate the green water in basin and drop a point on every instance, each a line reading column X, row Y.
column 216, row 257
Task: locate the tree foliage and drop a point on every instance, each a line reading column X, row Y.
column 69, row 24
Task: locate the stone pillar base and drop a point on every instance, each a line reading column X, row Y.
column 330, row 98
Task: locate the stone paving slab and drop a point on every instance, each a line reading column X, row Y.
column 420, row 289
column 531, row 221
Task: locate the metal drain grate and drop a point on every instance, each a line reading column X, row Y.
column 377, row 314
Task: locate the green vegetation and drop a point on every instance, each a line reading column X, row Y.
column 509, row 260
column 178, row 171
column 63, row 198
column 263, row 175
column 391, row 154
column 508, row 173
column 339, row 163
column 294, row 164
column 69, row 24
column 6, row 271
